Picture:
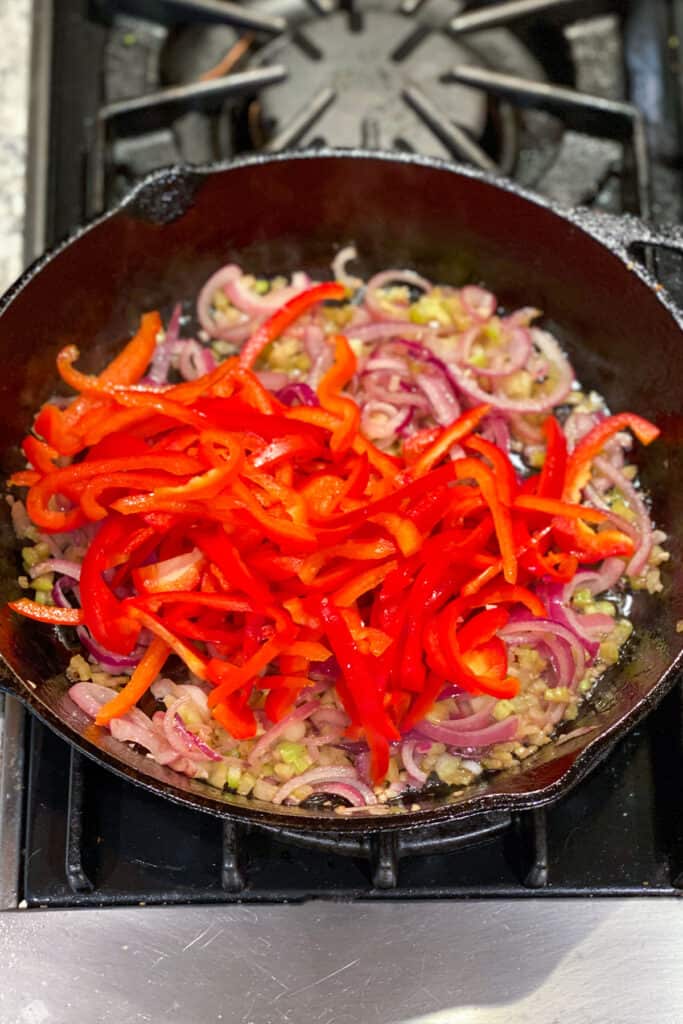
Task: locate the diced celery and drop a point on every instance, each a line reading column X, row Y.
column 502, row 709
column 218, row 775
column 44, row 583
column 294, row 754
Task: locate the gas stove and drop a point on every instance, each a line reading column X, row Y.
column 579, row 101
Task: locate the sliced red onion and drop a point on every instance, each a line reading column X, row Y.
column 577, row 425
column 341, row 274
column 196, row 746
column 313, row 776
column 550, row 348
column 166, row 687
column 182, row 739
column 63, row 566
column 165, row 350
column 514, row 358
column 235, row 332
column 392, row 277
column 495, row 428
column 246, row 300
column 328, row 715
column 194, row 360
column 478, row 302
column 476, row 720
column 299, row 714
column 319, row 353
column 642, row 553
column 380, row 385
column 408, row 759
column 107, row 660
column 297, row 393
column 59, row 591
column 90, row 697
column 357, row 793
column 136, row 727
column 448, row 733
column 273, row 379
column 445, row 406
column 382, row 421
column 387, row 329
column 552, row 633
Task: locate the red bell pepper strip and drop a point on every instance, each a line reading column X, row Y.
column 147, row 670
column 551, row 480
column 581, row 459
column 473, row 468
column 103, row 613
column 553, row 507
column 284, row 317
column 455, row 434
column 503, row 469
column 236, row 717
column 47, row 612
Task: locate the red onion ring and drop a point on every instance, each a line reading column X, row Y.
column 394, row 277
column 344, row 256
column 357, row 793
column 331, row 773
column 244, row 299
column 63, row 566
column 549, row 346
column 478, row 302
column 408, row 759
column 235, row 332
column 551, row 632
column 642, row 553
column 448, row 733
column 299, row 714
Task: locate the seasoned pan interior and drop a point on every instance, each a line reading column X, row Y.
column 279, row 214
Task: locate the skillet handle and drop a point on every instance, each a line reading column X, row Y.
column 626, row 232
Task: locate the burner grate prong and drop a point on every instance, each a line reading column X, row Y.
column 305, row 118
column 462, row 145
column 496, row 15
column 583, row 112
column 139, row 109
column 76, row 876
column 225, row 12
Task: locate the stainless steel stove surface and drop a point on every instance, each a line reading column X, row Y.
column 580, row 101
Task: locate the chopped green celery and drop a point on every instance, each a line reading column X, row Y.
column 502, row 709
column 42, row 597
column 233, row 776
column 479, row 357
column 585, row 684
column 605, row 608
column 44, row 583
column 294, row 754
column 582, row 597
column 261, row 286
column 246, row 784
column 190, row 714
column 558, row 694
column 492, row 329
column 218, row 775
column 429, row 309
column 609, row 652
column 30, row 556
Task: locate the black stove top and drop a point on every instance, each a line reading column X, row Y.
column 580, row 101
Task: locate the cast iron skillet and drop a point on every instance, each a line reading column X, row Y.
column 453, row 224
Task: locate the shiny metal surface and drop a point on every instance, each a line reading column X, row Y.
column 599, row 962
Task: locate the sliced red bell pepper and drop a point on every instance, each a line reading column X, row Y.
column 103, row 613
column 551, row 480
column 581, row 459
column 47, row 612
column 455, row 434
column 276, row 324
